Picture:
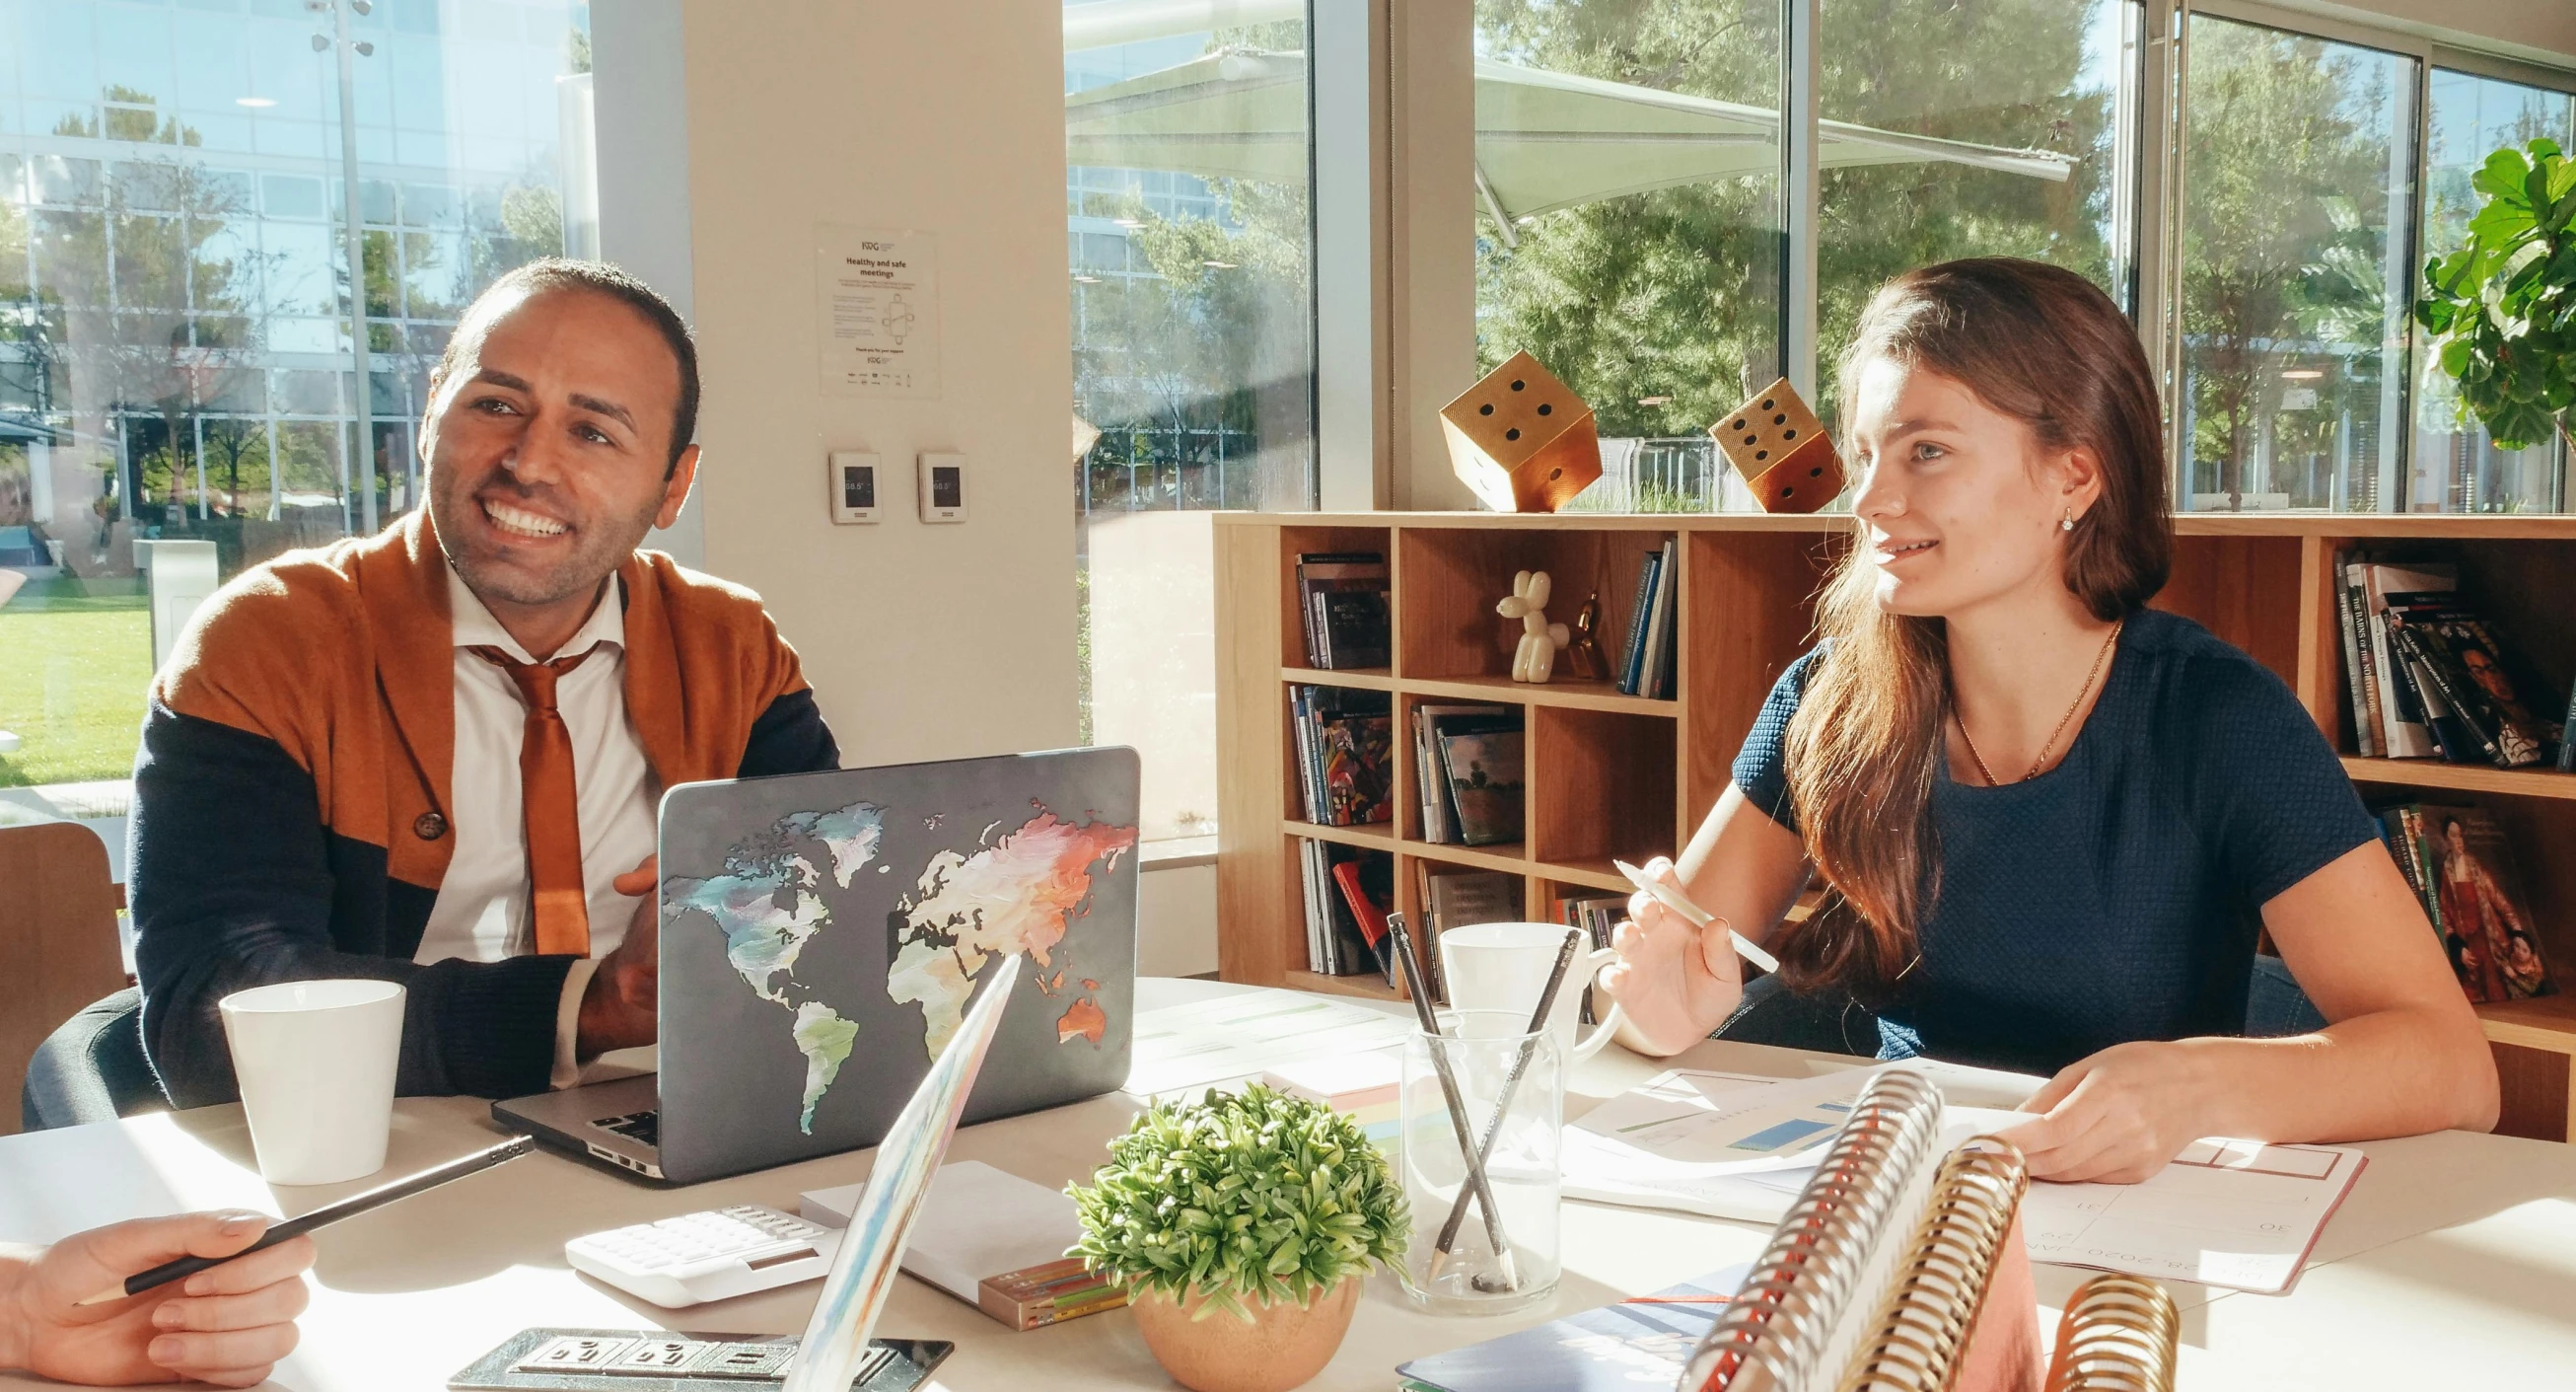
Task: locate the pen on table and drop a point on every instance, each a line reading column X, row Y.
column 1430, row 1020
column 1503, row 1096
column 322, row 1217
column 1696, row 916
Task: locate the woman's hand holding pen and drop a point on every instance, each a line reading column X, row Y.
column 1675, row 982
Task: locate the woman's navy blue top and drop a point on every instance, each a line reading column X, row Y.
column 2116, row 896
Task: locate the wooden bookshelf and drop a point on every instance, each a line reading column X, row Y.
column 1628, row 777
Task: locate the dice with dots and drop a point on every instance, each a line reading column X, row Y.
column 1782, row 451
column 1521, row 439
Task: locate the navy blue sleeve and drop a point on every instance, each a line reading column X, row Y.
column 234, row 882
column 790, row 737
column 1761, row 766
column 2272, row 799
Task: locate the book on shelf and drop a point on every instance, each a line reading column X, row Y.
column 2566, row 744
column 1453, row 897
column 1345, row 741
column 1342, row 596
column 1632, row 654
column 2474, row 678
column 1337, row 943
column 1483, row 773
column 1431, row 724
column 2426, row 675
column 2403, row 730
column 2357, row 684
column 1367, row 885
column 1596, row 913
column 1646, row 670
column 2457, row 861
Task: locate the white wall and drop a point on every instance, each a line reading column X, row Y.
column 921, row 641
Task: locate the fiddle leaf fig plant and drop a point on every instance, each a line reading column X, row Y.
column 2503, row 307
column 1254, row 1198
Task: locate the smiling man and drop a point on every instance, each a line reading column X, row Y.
column 433, row 755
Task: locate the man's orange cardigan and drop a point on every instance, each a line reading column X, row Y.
column 291, row 798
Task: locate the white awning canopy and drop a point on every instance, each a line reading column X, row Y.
column 1544, row 140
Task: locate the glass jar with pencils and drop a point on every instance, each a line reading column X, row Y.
column 1483, row 1112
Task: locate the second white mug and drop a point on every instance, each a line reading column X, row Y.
column 1504, row 966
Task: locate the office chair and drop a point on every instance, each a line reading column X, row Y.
column 92, row 1068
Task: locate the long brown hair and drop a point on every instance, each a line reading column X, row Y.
column 2043, row 346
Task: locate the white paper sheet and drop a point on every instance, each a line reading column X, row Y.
column 2239, row 1214
column 1726, row 1145
column 1241, row 1036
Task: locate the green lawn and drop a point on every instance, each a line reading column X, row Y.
column 75, row 668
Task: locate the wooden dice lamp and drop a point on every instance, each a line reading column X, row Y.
column 1521, row 439
column 1782, row 451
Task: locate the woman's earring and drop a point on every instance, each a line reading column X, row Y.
column 2068, row 524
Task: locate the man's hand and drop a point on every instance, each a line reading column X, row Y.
column 618, row 1007
column 226, row 1325
column 1675, row 982
column 2118, row 1116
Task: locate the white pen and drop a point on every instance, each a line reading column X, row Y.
column 1680, row 903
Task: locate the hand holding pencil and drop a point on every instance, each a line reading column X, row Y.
column 227, row 1325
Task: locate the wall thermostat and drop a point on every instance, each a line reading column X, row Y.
column 943, row 488
column 854, row 486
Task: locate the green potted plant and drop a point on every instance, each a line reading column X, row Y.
column 2503, row 307
column 1243, row 1227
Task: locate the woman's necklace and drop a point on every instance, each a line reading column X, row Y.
column 2051, row 742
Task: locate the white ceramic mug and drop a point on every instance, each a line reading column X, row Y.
column 1504, row 966
column 316, row 1063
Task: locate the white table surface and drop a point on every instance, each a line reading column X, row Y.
column 2453, row 1264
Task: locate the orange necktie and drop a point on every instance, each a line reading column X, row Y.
column 550, row 807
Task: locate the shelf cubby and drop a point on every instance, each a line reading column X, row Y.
column 1601, row 785
column 1629, row 777
column 1446, row 627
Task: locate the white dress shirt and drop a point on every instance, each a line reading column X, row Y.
column 481, row 914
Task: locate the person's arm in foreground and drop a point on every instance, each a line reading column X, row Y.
column 2402, row 1053
column 226, row 1325
column 1674, row 982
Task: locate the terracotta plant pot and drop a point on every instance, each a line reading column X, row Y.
column 1284, row 1346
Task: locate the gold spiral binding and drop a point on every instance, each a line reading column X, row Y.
column 1776, row 1329
column 2118, row 1336
column 1941, row 1286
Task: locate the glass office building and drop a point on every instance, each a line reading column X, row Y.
column 173, row 262
column 175, row 315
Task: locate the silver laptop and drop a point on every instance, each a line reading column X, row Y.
column 822, row 934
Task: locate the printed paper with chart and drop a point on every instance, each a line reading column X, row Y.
column 2224, row 1213
column 1728, row 1145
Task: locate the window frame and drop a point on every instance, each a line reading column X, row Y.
column 2151, row 183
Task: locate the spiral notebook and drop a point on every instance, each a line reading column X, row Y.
column 1901, row 1267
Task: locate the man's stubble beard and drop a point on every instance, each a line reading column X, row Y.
column 599, row 555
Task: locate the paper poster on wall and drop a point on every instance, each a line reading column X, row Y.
column 879, row 297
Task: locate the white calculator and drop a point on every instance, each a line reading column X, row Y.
column 698, row 1257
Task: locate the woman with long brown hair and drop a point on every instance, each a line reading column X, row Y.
column 2048, row 818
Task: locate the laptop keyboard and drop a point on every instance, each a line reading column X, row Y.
column 642, row 1127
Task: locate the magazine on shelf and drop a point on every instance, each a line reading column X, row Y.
column 1430, row 724
column 1483, row 772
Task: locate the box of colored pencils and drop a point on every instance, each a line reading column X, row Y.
column 1036, row 1296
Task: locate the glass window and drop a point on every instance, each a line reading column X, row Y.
column 2298, row 193
column 1193, row 362
column 1628, row 223
column 1987, row 130
column 2455, row 467
column 174, row 347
